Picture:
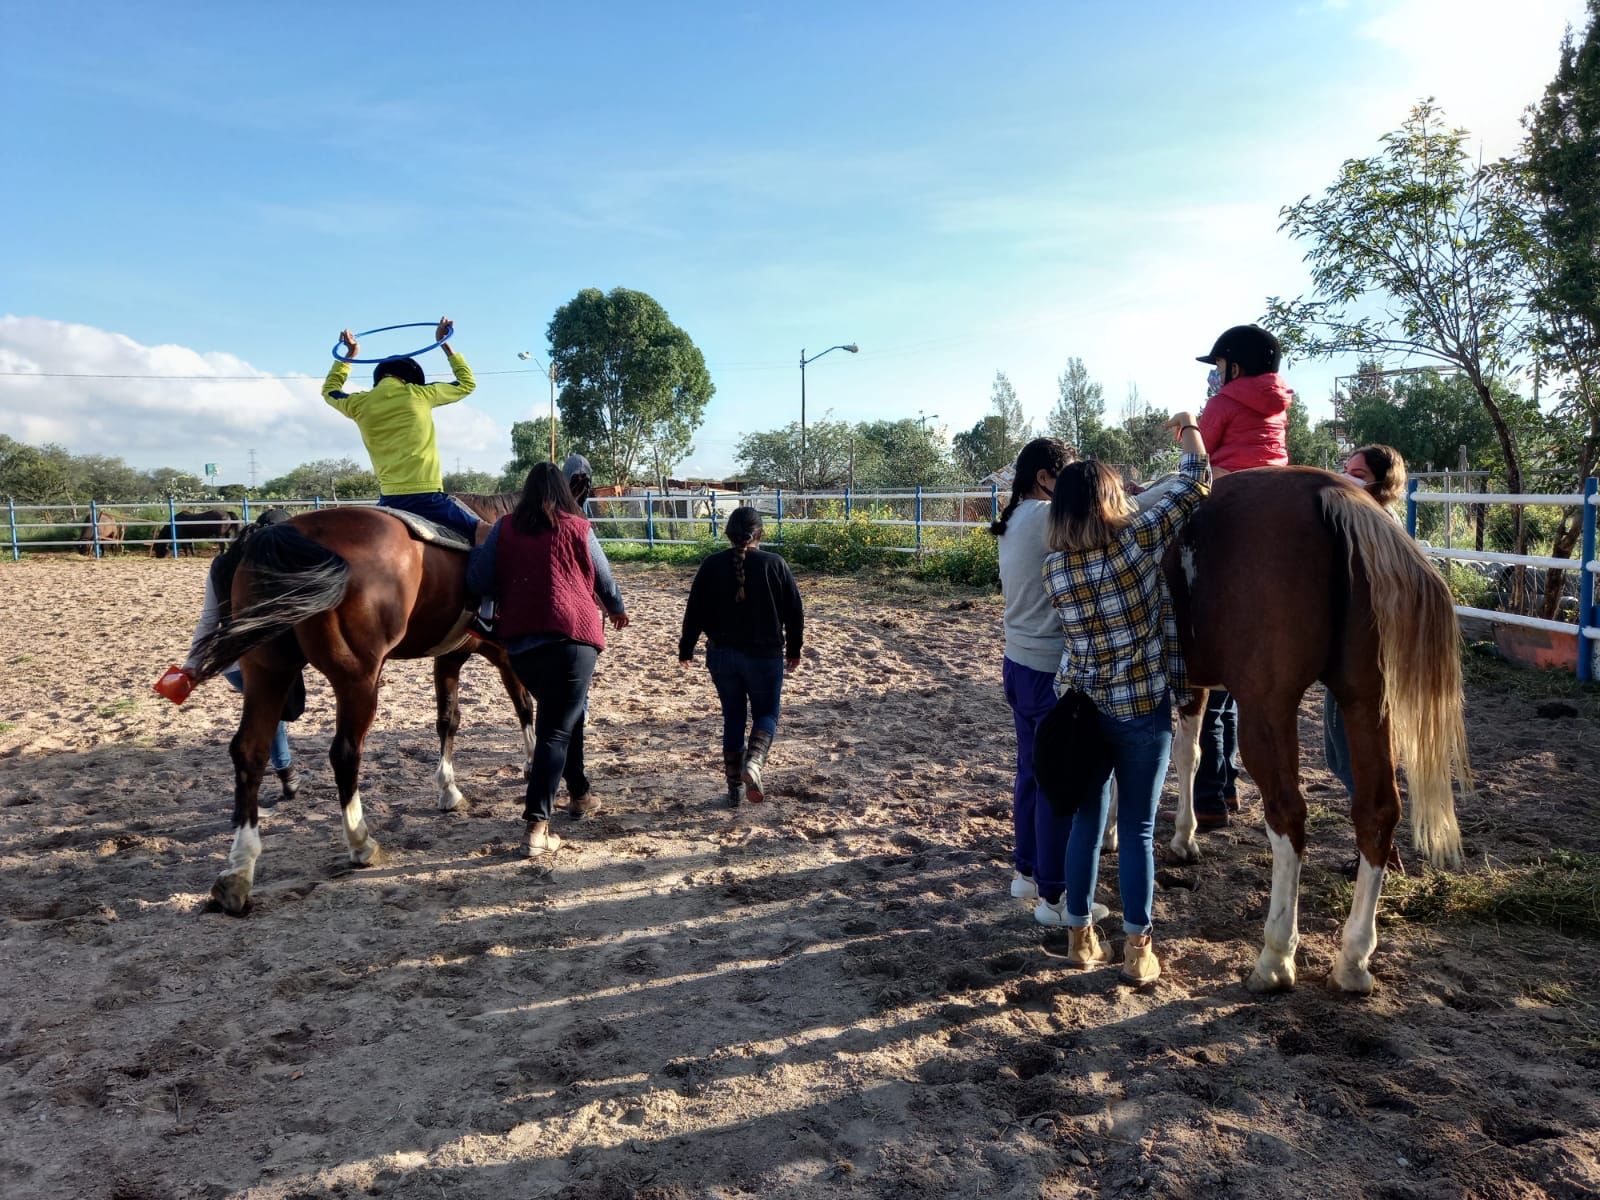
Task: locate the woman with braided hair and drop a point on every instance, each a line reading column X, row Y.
column 747, row 603
column 1034, row 642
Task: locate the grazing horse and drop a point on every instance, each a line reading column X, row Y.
column 211, row 524
column 109, row 533
column 344, row 589
column 1286, row 576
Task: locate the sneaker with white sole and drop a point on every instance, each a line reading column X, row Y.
column 1023, row 887
column 1056, row 914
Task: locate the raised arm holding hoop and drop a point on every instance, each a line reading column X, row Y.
column 396, row 423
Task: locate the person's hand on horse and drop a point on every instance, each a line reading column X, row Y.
column 619, row 621
column 445, row 329
column 349, row 339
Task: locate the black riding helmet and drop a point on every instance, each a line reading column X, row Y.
column 1253, row 348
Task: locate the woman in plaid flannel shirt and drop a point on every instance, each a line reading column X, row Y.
column 1104, row 580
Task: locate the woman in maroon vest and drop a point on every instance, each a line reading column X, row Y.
column 545, row 567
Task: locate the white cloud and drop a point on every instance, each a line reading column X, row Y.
column 222, row 409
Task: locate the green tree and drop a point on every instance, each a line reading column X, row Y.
column 1311, row 445
column 1409, row 254
column 471, row 482
column 180, row 485
column 101, row 477
column 1080, row 407
column 998, row 437
column 1559, row 174
column 530, row 445
column 35, row 474
column 901, row 454
column 632, row 383
column 331, row 478
column 773, row 457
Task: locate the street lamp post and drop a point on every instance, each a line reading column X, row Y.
column 853, row 349
column 923, row 419
column 527, row 356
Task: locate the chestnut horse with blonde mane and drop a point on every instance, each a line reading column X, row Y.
column 1289, row 575
column 1286, row 576
column 345, row 590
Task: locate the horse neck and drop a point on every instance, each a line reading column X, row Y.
column 489, row 505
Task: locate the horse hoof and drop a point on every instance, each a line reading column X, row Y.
column 1184, row 855
column 370, row 855
column 450, row 798
column 1352, row 981
column 1265, row 980
column 1108, row 844
column 232, row 894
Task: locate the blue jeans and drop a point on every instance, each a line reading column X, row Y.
column 1041, row 836
column 280, row 740
column 1215, row 777
column 1141, row 748
column 750, row 688
column 1336, row 743
column 438, row 507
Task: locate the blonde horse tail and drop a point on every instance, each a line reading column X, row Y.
column 1420, row 656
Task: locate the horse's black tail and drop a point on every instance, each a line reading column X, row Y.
column 291, row 578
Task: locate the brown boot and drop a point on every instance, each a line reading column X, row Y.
column 1084, row 948
column 289, row 778
column 537, row 838
column 1139, row 964
column 583, row 805
column 733, row 771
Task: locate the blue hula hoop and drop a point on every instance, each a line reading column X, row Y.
column 337, row 346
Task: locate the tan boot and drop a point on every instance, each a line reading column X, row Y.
column 537, row 838
column 1139, row 964
column 1084, row 948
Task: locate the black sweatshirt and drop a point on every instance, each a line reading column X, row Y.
column 767, row 623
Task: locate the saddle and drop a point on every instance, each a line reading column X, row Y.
column 428, row 531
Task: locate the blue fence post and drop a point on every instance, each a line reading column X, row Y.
column 712, row 505
column 94, row 524
column 1411, row 508
column 316, row 502
column 994, row 502
column 649, row 519
column 172, row 524
column 1587, row 616
column 11, row 515
column 919, row 518
column 780, row 515
column 246, row 517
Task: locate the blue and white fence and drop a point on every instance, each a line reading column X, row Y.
column 1588, row 623
column 78, row 526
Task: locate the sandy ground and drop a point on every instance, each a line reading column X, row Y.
column 831, row 994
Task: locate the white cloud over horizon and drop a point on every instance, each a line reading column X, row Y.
column 98, row 392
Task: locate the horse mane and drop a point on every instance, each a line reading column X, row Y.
column 489, row 505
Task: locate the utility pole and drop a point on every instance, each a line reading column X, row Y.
column 252, row 470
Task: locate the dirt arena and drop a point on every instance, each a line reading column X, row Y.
column 830, row 994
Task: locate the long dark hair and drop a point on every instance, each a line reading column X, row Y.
column 744, row 526
column 1089, row 508
column 1041, row 454
column 544, row 497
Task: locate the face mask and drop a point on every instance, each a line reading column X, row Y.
column 1213, row 383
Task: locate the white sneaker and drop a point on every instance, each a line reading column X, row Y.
column 1023, row 887
column 1056, row 914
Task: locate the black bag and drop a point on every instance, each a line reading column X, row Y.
column 294, row 705
column 1072, row 759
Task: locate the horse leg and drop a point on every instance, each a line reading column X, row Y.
column 357, row 697
column 447, row 698
column 1375, row 810
column 1270, row 743
column 520, row 700
column 264, row 694
column 1185, row 759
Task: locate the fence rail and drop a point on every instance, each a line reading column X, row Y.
column 686, row 518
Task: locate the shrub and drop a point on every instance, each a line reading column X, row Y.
column 971, row 557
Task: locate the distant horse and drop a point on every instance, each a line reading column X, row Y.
column 1291, row 575
column 110, row 533
column 212, row 524
column 345, row 589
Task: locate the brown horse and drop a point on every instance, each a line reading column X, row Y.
column 103, row 530
column 344, row 589
column 1287, row 576
column 187, row 528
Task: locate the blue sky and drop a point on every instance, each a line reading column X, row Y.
column 960, row 189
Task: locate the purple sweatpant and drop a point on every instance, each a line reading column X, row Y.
column 1041, row 839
